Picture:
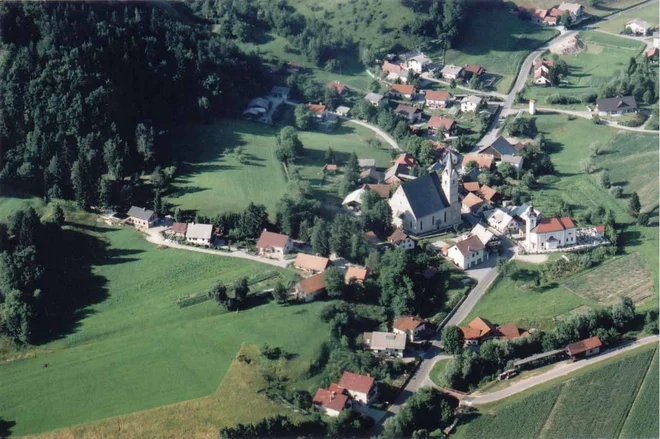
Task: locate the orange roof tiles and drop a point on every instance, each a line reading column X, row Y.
column 437, row 95
column 330, row 399
column 270, row 239
column 403, row 89
column 546, row 225
column 407, row 323
column 316, row 108
column 312, row 284
column 436, row 122
column 358, row 273
column 583, row 345
column 311, row 262
column 356, row 382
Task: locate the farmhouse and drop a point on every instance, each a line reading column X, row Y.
column 437, row 99
column 374, row 98
column 405, row 159
column 471, row 104
column 639, row 27
column 398, row 238
column 541, row 72
column 361, row 388
column 443, row 124
column 371, row 175
column 412, row 114
column 477, row 331
column 482, row 161
column 584, row 348
column 270, row 242
column 468, row 252
column 140, row 217
column 511, row 331
column 311, row 263
column 257, row 107
column 402, row 91
column 470, row 70
column 387, row 343
column 389, row 67
column 549, row 233
column 652, row 54
column 307, row 289
column 418, row 63
column 485, row 236
column 397, row 174
column 471, row 186
column 355, row 273
column 330, row 401
column 411, row 326
column 472, row 203
column 499, row 148
column 178, row 230
column 451, row 71
column 616, row 106
column 199, row 234
column 319, row 111
column 489, row 194
column 427, row 203
column 574, row 9
column 502, row 221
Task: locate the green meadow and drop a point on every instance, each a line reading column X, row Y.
column 137, row 349
column 648, row 13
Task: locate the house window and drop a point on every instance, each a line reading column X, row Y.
column 421, row 225
column 411, row 224
column 445, row 216
column 433, row 220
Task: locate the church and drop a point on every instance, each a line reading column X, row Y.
column 427, row 204
column 543, row 234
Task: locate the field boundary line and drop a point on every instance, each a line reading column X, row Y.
column 637, row 392
column 546, row 423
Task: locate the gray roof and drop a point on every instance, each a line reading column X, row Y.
column 656, row 34
column 367, row 163
column 259, row 102
column 397, row 169
column 640, row 23
column 140, row 212
column 512, row 159
column 502, row 146
column 425, row 196
column 387, row 340
column 573, row 7
column 279, row 90
column 406, row 109
column 473, row 99
column 199, row 231
column 451, row 69
column 374, row 97
column 614, row 104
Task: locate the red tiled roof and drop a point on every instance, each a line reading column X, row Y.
column 312, row 284
column 270, row 239
column 488, row 193
column 397, row 237
column 653, row 53
column 471, row 186
column 484, row 161
column 475, row 69
column 550, row 20
column 330, row 399
column 407, row 323
column 403, row 89
column 330, row 167
column 180, row 228
column 469, row 245
column 600, row 229
column 437, row 95
column 337, row 86
column 555, row 12
column 310, row 262
column 405, row 159
column 357, row 273
column 356, row 382
column 389, row 67
column 316, row 108
column 555, row 224
column 436, row 122
column 509, row 331
column 477, row 329
column 383, row 190
column 543, row 62
column 583, row 345
column 471, row 200
column 541, row 13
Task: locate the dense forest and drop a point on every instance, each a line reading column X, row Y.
column 85, row 91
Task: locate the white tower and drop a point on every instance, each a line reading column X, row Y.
column 450, row 181
column 532, row 107
column 530, row 224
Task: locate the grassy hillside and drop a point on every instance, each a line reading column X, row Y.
column 593, row 402
column 601, row 8
column 648, row 13
column 137, row 349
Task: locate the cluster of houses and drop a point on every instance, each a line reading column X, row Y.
column 397, row 68
column 405, row 329
column 353, row 392
column 551, row 16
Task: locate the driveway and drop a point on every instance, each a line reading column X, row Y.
column 558, row 371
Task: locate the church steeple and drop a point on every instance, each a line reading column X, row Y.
column 450, row 180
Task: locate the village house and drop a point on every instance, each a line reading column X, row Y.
column 502, row 221
column 356, row 274
column 361, row 388
column 394, row 77
column 471, row 104
column 405, row 159
column 470, row 186
column 331, row 401
column 402, row 91
column 435, row 99
column 616, row 106
column 399, row 238
column 389, row 67
column 342, row 111
column 257, row 107
column 499, row 149
column 574, row 9
column 437, row 124
column 489, row 194
column 177, row 230
column 418, row 63
column 639, row 27
column 428, row 203
column 478, row 331
column 549, row 233
column 511, row 331
column 371, row 175
column 270, row 242
column 140, row 217
column 472, row 204
column 412, row 114
column 308, row 288
column 374, row 98
column 482, row 161
column 398, row 174
column 387, row 343
column 311, row 263
column 541, row 71
column 487, row 238
column 467, row 252
column 199, row 234
column 514, row 160
column 353, row 200
column 338, row 86
column 450, row 71
column 652, row 55
column 319, row 111
column 584, row 348
column 471, row 69
column 411, row 326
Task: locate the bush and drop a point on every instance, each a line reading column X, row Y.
column 616, row 191
column 590, row 98
column 548, row 179
column 562, row 100
column 636, row 122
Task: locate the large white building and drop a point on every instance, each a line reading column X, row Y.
column 427, row 203
column 468, row 252
column 542, row 234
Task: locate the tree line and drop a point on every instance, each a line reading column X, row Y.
column 88, row 91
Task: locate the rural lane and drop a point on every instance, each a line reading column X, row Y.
column 389, row 139
column 588, row 115
column 558, row 371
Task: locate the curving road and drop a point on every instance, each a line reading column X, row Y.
column 558, row 371
column 389, row 139
column 588, row 115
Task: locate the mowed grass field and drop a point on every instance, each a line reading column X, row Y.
column 235, row 401
column 499, row 41
column 213, row 180
column 643, row 418
column 648, row 13
column 138, row 350
column 601, row 9
column 604, row 58
column 594, row 402
column 438, row 370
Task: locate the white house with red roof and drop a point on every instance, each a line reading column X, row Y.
column 360, row 388
column 270, row 242
column 543, row 234
column 437, row 98
column 331, row 401
column 409, row 325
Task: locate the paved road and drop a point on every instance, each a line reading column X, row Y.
column 559, row 371
column 153, row 235
column 389, row 139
